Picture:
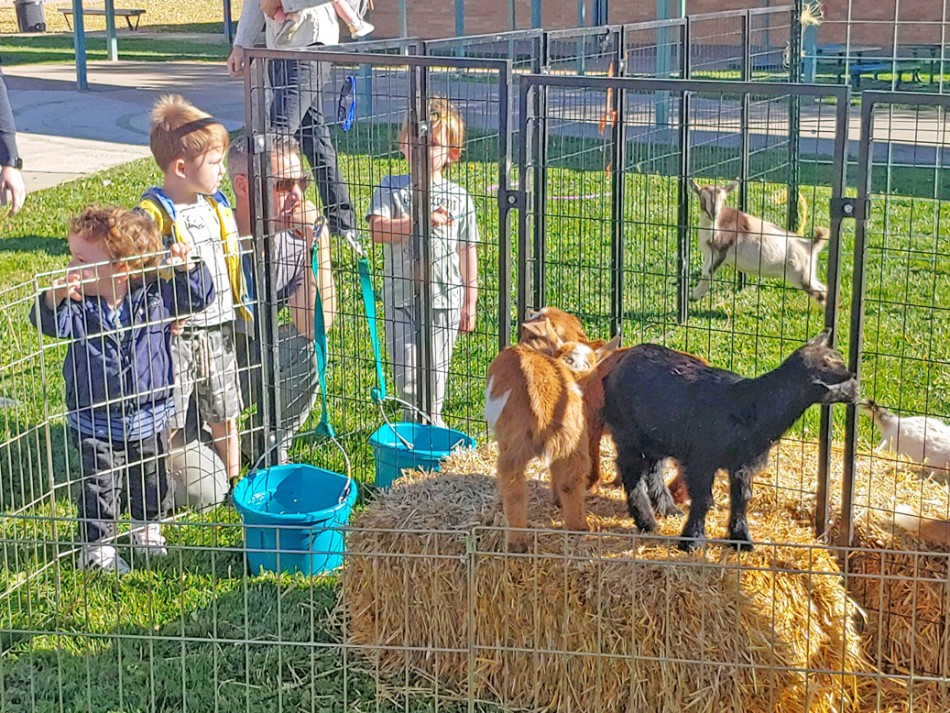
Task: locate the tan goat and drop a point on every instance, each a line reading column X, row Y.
column 534, row 405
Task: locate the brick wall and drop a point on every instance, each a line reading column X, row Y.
column 872, row 21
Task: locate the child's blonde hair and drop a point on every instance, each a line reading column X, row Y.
column 130, row 237
column 445, row 122
column 181, row 130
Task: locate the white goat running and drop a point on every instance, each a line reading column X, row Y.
column 754, row 245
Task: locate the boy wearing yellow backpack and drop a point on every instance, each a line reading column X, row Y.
column 189, row 147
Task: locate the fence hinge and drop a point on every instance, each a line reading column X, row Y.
column 515, row 198
column 855, row 208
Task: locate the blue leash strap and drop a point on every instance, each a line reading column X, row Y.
column 378, row 393
column 324, row 428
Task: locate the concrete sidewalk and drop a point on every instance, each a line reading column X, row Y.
column 63, row 133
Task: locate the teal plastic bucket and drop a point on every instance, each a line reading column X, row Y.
column 292, row 515
column 429, row 445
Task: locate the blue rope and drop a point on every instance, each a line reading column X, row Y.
column 378, row 393
column 324, row 428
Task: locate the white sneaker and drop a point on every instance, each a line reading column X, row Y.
column 104, row 557
column 361, row 30
column 147, row 538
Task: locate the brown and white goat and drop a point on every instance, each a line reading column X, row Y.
column 753, row 245
column 534, row 405
column 567, row 327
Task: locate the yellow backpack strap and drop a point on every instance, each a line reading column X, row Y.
column 154, row 210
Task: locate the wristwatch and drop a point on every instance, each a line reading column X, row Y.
column 17, row 163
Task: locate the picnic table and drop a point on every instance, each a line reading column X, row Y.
column 128, row 13
column 862, row 60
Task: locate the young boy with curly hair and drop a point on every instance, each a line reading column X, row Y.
column 117, row 303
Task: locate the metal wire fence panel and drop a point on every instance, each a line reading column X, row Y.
column 431, row 611
column 654, row 49
column 613, row 227
column 389, row 98
column 900, row 311
column 890, row 45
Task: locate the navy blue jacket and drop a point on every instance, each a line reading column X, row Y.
column 123, row 372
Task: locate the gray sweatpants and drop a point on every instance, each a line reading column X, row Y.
column 405, row 352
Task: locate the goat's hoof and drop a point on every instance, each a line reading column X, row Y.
column 517, row 547
column 670, row 510
column 741, row 545
column 690, row 544
column 646, row 527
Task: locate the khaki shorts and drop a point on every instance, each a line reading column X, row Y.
column 206, row 365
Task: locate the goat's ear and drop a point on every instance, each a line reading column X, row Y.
column 731, row 187
column 552, row 336
column 608, row 349
column 695, row 187
column 531, row 314
column 822, row 339
column 534, row 329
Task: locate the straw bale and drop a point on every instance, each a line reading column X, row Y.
column 608, row 621
column 901, row 584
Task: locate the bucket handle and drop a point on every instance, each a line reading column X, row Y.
column 396, row 433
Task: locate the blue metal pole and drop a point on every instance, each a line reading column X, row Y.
column 664, row 53
column 459, row 18
column 403, row 19
column 79, row 43
column 581, row 13
column 112, row 45
column 810, row 42
column 663, row 59
column 535, row 14
column 228, row 23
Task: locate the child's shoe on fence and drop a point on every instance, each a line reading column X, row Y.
column 104, row 557
column 361, row 30
column 147, row 539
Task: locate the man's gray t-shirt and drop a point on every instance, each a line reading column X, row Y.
column 201, row 224
column 290, row 262
column 393, row 199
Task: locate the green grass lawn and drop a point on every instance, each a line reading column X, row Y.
column 59, row 48
column 194, row 631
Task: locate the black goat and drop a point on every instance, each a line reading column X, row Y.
column 660, row 403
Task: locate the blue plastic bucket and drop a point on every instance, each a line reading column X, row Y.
column 430, row 444
column 291, row 514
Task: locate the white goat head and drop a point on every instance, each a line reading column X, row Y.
column 712, row 198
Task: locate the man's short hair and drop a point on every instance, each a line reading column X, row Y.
column 181, row 130
column 238, row 162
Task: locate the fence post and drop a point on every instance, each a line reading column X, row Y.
column 506, row 201
column 856, row 338
column 683, row 227
column 419, row 168
column 265, row 322
column 794, row 115
column 618, row 178
column 746, row 73
column 832, row 299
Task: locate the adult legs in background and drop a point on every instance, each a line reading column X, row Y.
column 297, row 109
